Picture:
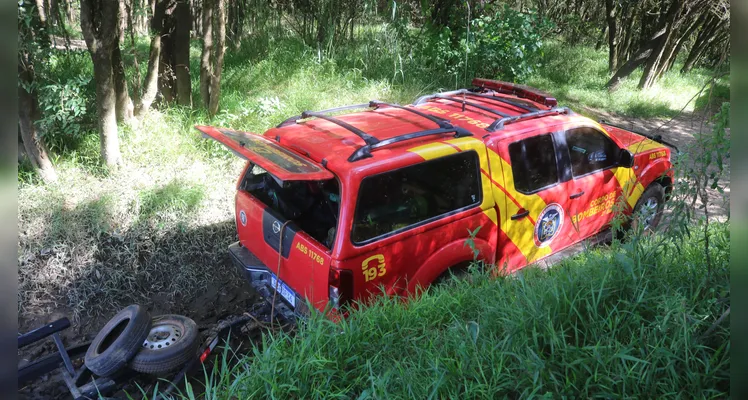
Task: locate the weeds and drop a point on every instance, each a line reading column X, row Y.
column 598, row 325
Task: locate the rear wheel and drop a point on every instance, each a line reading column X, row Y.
column 648, row 210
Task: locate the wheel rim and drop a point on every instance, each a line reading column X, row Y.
column 162, row 336
column 649, row 212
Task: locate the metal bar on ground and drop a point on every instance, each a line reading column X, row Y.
column 63, row 354
column 42, row 332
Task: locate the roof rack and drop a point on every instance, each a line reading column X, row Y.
column 468, row 92
column 500, row 123
column 373, row 143
column 522, row 91
column 445, row 96
column 365, row 151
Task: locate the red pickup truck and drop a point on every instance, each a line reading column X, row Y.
column 337, row 209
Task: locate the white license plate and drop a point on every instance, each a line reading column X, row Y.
column 283, row 290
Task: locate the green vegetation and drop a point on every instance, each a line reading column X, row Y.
column 639, row 320
column 174, row 179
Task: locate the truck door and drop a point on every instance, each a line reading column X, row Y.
column 530, row 175
column 410, row 223
column 593, row 157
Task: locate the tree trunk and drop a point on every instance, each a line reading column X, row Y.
column 98, row 23
column 167, row 80
column 124, row 106
column 610, row 17
column 702, row 40
column 106, row 104
column 681, row 40
column 182, row 52
column 150, row 86
column 634, row 62
column 206, row 70
column 219, row 50
column 28, row 104
column 653, row 62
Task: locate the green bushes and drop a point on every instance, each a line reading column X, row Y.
column 599, row 325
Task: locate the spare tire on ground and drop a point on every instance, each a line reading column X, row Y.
column 171, row 342
column 119, row 341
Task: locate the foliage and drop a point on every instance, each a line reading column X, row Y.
column 604, row 324
column 507, row 44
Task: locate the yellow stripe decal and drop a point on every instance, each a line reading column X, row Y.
column 520, row 232
column 632, row 188
column 643, row 146
column 433, row 150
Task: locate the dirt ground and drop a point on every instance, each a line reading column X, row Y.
column 228, row 294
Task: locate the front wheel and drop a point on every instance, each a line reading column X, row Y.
column 648, row 210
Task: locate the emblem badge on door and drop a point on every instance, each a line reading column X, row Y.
column 548, row 224
column 243, row 217
column 276, row 226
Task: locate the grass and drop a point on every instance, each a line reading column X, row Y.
column 175, row 186
column 637, row 321
column 577, row 76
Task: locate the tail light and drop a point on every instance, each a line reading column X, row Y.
column 341, row 287
column 522, row 91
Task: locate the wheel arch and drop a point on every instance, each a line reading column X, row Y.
column 457, row 254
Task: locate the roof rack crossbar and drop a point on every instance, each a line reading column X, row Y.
column 500, row 123
column 295, row 118
column 370, row 140
column 445, row 96
column 365, row 151
column 443, row 123
column 504, row 100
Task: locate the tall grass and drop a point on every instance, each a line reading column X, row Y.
column 600, row 325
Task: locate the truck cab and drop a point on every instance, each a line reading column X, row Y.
column 333, row 210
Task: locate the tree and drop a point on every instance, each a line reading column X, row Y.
column 150, row 86
column 32, row 37
column 99, row 21
column 211, row 59
column 174, row 69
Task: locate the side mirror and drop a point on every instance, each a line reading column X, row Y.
column 626, row 159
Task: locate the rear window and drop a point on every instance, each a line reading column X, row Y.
column 312, row 205
column 397, row 200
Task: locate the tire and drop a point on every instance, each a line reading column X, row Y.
column 171, row 342
column 118, row 342
column 648, row 209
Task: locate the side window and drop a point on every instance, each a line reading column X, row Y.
column 590, row 150
column 533, row 163
column 395, row 200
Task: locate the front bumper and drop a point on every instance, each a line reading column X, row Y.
column 258, row 275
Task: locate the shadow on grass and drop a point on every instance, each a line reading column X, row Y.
column 84, row 267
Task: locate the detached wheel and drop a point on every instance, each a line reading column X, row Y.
column 119, row 341
column 170, row 343
column 648, row 210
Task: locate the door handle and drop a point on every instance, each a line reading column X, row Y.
column 577, row 195
column 521, row 214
